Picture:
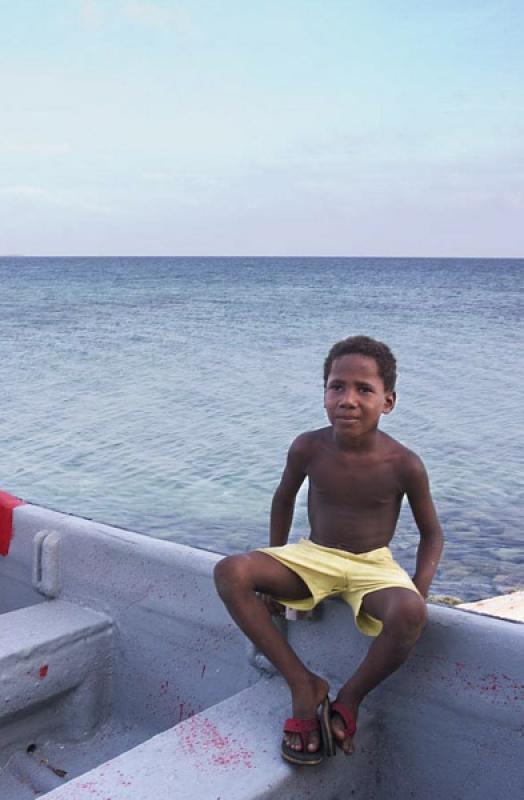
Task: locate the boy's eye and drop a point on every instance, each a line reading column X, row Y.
column 365, row 389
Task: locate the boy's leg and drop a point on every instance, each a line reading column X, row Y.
column 238, row 579
column 403, row 615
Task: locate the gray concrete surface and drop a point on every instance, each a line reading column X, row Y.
column 49, row 649
column 188, row 715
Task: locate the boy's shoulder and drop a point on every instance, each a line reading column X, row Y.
column 407, row 460
column 309, row 438
column 306, row 442
column 387, row 444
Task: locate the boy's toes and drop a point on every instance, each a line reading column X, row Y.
column 314, row 742
column 294, row 741
column 343, row 728
column 344, row 741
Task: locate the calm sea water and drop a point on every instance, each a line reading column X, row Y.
column 161, row 395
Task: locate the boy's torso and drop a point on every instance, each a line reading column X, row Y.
column 354, row 496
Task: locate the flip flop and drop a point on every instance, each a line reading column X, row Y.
column 302, row 757
column 325, row 728
column 304, row 727
column 348, row 718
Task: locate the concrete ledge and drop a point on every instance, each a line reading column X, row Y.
column 232, row 752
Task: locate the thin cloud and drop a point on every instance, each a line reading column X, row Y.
column 91, row 14
column 26, row 191
column 156, row 15
column 29, row 148
column 157, row 177
column 94, row 14
column 51, row 198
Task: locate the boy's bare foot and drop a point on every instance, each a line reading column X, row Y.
column 306, row 699
column 343, row 722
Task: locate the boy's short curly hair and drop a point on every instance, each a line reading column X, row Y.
column 365, row 346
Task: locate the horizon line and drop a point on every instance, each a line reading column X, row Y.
column 274, row 255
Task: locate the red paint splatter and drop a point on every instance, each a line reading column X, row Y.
column 201, row 737
column 44, row 669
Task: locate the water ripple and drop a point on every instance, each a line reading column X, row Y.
column 161, row 394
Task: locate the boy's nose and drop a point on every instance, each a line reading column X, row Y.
column 349, row 399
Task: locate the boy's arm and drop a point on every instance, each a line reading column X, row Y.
column 285, row 495
column 431, row 538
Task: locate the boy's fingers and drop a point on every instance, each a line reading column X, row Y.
column 278, row 609
column 274, row 608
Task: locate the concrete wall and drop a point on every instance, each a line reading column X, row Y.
column 449, row 724
column 175, row 651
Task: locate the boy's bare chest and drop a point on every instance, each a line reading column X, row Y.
column 355, row 480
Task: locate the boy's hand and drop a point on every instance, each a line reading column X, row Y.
column 422, row 587
column 275, row 609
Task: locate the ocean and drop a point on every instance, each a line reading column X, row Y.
column 161, row 394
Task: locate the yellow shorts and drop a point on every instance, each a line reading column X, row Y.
column 328, row 572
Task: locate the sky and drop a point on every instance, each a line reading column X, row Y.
column 261, row 127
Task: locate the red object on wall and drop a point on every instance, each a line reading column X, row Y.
column 7, row 503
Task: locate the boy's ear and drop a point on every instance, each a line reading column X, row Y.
column 389, row 402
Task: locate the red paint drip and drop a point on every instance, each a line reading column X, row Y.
column 44, row 669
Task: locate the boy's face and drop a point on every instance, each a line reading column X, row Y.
column 354, row 397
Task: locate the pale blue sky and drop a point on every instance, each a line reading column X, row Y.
column 299, row 127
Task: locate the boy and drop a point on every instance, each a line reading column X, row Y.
column 357, row 477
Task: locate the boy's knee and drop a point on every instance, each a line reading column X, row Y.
column 408, row 618
column 220, row 573
column 417, row 614
column 228, row 573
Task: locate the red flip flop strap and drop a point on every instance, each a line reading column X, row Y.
column 347, row 716
column 300, row 725
column 7, row 504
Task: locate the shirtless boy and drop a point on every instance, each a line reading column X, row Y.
column 357, row 478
